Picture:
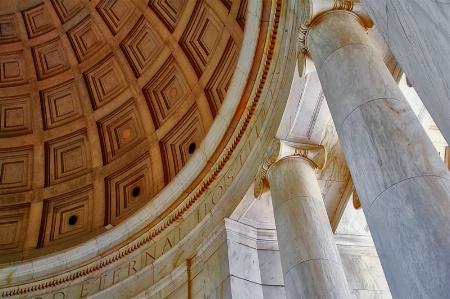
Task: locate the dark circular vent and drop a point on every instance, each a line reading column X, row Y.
column 192, row 148
column 73, row 219
column 136, row 191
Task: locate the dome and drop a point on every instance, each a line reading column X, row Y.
column 103, row 104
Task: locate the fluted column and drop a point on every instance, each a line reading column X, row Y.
column 309, row 257
column 403, row 186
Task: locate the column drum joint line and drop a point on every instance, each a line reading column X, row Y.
column 313, row 260
column 359, row 106
column 402, row 181
column 342, row 47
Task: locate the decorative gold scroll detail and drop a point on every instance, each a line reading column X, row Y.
column 316, row 154
column 306, row 17
column 356, row 201
column 272, row 155
column 343, row 5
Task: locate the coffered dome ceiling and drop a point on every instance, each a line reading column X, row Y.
column 102, row 104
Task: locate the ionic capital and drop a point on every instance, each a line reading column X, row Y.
column 315, row 154
column 310, row 10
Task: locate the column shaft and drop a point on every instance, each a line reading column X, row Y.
column 309, row 258
column 417, row 33
column 401, row 181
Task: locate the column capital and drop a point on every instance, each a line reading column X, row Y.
column 277, row 150
column 310, row 10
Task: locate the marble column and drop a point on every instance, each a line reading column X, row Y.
column 402, row 183
column 310, row 260
column 417, row 34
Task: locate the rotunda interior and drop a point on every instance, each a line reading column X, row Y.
column 103, row 104
column 131, row 136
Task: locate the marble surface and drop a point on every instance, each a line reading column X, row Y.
column 401, row 181
column 239, row 255
column 169, row 276
column 417, row 34
column 257, row 213
column 376, row 84
column 223, row 291
column 353, row 222
column 216, row 269
column 236, row 267
column 326, row 276
column 270, row 267
column 319, row 34
column 388, row 58
column 309, row 257
column 306, row 114
column 243, row 289
column 424, row 203
column 359, row 258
